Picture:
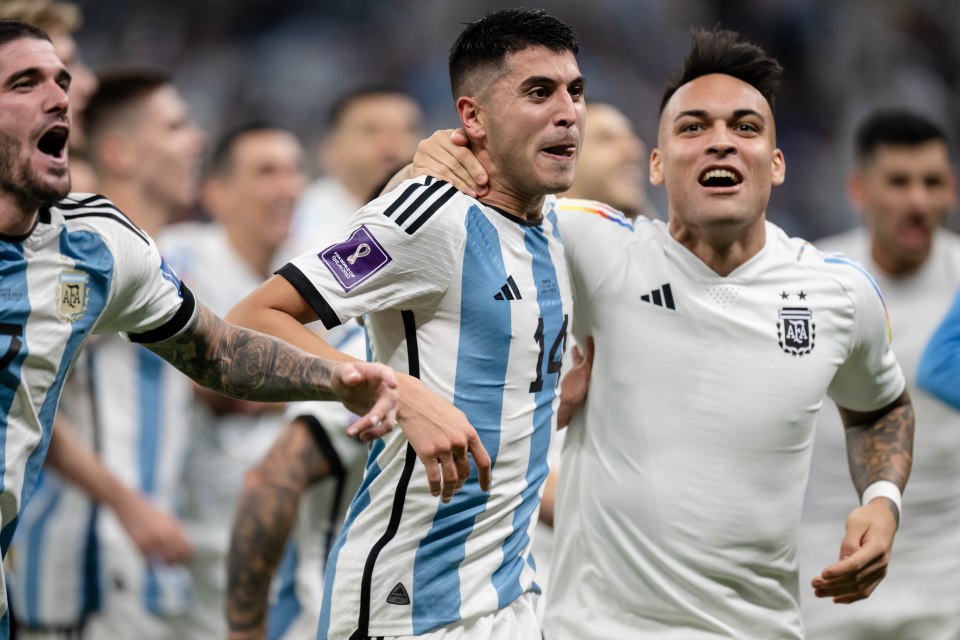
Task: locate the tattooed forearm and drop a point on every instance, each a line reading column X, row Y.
column 880, row 444
column 266, row 513
column 245, row 364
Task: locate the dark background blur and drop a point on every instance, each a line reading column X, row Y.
column 288, row 59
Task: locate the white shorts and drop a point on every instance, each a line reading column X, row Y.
column 516, row 622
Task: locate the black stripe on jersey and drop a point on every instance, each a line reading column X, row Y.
column 424, row 196
column 396, row 204
column 174, row 325
column 514, row 287
column 109, row 214
column 399, row 497
column 432, row 209
column 337, row 470
column 308, row 292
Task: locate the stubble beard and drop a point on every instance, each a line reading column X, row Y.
column 18, row 180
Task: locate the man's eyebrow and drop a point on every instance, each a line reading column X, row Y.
column 702, row 113
column 533, row 81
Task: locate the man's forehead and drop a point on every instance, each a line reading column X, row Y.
column 542, row 61
column 717, row 94
column 932, row 154
column 26, row 53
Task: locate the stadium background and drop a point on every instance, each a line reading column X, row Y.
column 286, row 60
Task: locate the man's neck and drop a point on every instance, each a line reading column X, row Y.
column 258, row 256
column 16, row 218
column 146, row 213
column 723, row 250
column 505, row 196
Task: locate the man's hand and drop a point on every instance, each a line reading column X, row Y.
column 864, row 554
column 369, row 390
column 442, row 440
column 573, row 387
column 157, row 534
column 446, row 155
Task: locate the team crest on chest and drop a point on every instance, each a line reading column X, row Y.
column 796, row 330
column 73, row 294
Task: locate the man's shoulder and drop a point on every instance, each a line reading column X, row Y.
column 96, row 213
column 592, row 212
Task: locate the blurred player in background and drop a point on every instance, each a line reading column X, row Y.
column 372, row 131
column 904, row 186
column 254, row 180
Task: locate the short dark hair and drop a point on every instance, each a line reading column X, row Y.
column 723, row 51
column 488, row 41
column 11, row 30
column 344, row 102
column 221, row 158
column 117, row 91
column 894, row 127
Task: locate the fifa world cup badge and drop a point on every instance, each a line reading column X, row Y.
column 73, row 294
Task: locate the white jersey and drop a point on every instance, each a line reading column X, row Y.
column 683, row 475
column 298, row 587
column 85, row 268
column 139, row 430
column 324, row 208
column 918, row 597
column 474, row 302
column 222, row 448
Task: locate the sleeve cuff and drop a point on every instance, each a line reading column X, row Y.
column 305, row 288
column 174, row 325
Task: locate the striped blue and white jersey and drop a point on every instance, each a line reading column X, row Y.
column 297, row 591
column 137, row 425
column 83, row 269
column 476, row 303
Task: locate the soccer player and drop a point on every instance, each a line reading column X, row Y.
column 72, row 266
column 255, row 176
column 146, row 153
column 903, row 184
column 732, row 333
column 472, row 296
column 371, row 131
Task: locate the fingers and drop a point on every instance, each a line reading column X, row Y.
column 445, row 164
column 483, row 462
column 590, row 350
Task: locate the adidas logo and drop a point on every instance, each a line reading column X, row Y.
column 662, row 297
column 509, row 291
column 398, row 595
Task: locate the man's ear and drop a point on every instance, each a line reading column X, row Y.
column 656, row 166
column 471, row 115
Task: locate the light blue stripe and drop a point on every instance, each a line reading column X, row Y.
column 840, row 259
column 485, row 335
column 92, row 256
column 16, row 311
column 150, row 390
column 360, row 502
column 506, row 579
column 552, row 217
column 287, row 607
column 34, row 545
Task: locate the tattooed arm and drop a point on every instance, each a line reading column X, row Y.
column 266, row 512
column 242, row 363
column 879, row 447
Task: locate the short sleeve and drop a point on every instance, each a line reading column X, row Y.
column 401, row 250
column 148, row 302
column 591, row 232
column 870, row 378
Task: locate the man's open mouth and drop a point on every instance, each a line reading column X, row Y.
column 564, row 150
column 720, row 178
column 54, row 141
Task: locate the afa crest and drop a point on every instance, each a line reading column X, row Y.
column 73, row 294
column 796, row 330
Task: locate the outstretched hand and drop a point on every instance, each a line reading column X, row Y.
column 369, row 390
column 446, row 155
column 157, row 534
column 573, row 387
column 864, row 555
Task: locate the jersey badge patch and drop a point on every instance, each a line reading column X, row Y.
column 398, row 595
column 355, row 260
column 796, row 330
column 73, row 294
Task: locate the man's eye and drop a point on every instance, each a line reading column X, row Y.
column 539, row 92
column 693, row 127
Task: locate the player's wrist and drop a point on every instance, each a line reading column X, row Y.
column 884, row 489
